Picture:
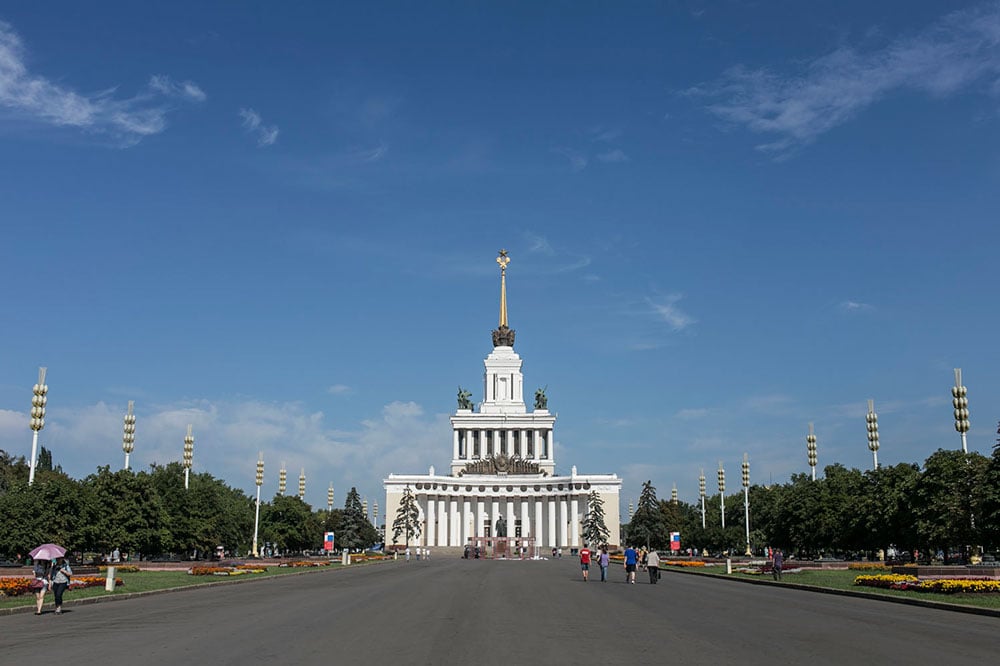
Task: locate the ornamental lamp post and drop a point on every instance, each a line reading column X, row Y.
column 961, row 404
column 329, row 498
column 673, row 494
column 38, row 400
column 872, row 420
column 811, row 448
column 282, row 478
column 375, row 516
column 701, row 496
column 128, row 436
column 746, row 498
column 259, row 480
column 188, row 455
column 302, row 484
column 722, row 493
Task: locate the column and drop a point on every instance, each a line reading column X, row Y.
column 549, row 445
column 442, row 533
column 526, row 530
column 574, row 526
column 563, row 519
column 524, row 444
column 431, row 518
column 482, row 446
column 538, row 532
column 454, row 444
column 494, row 515
column 551, row 542
column 468, row 526
column 455, row 524
column 510, row 520
column 536, row 441
column 480, row 512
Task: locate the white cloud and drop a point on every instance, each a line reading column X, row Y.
column 338, row 389
column 577, row 160
column 254, row 124
column 961, row 49
column 668, row 311
column 613, row 156
column 538, row 243
column 855, row 307
column 126, row 119
column 229, row 434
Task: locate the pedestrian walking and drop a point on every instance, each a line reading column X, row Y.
column 42, row 582
column 585, row 561
column 778, row 564
column 60, row 581
column 407, row 553
column 631, row 558
column 653, row 566
column 604, row 560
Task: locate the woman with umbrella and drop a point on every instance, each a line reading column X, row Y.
column 43, row 556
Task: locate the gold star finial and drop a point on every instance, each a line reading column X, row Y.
column 503, row 260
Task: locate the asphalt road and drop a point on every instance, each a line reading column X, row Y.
column 478, row 612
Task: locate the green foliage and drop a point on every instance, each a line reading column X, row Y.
column 595, row 531
column 355, row 529
column 648, row 526
column 289, row 522
column 407, row 518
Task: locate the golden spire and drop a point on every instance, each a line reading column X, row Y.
column 503, row 260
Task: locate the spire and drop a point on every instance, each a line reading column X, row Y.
column 503, row 336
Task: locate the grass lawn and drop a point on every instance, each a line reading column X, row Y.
column 146, row 581
column 844, row 580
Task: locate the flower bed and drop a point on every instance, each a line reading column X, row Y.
column 885, row 581
column 867, row 566
column 953, row 586
column 120, row 568
column 682, row 563
column 12, row 587
column 305, row 563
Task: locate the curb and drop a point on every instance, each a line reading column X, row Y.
column 926, row 603
column 30, row 608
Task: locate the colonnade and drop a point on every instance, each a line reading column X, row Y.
column 527, row 443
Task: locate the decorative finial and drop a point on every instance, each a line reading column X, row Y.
column 503, row 335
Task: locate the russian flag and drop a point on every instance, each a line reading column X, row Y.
column 675, row 541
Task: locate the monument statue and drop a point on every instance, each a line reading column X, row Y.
column 501, row 527
column 541, row 401
column 463, row 399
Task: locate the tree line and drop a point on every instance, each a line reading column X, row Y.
column 150, row 514
column 949, row 504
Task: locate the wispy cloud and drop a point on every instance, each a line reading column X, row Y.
column 254, row 124
column 339, row 389
column 613, row 156
column 667, row 310
column 128, row 120
column 956, row 52
column 854, row 307
column 577, row 160
column 538, row 244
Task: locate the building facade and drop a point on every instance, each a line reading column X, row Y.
column 503, row 480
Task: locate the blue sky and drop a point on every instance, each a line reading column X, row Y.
column 279, row 223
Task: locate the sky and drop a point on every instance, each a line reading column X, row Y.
column 278, row 222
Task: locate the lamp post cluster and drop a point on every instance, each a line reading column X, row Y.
column 188, row 456
column 329, row 498
column 961, row 404
column 302, row 484
column 673, row 494
column 259, row 480
column 722, row 493
column 701, row 496
column 872, row 419
column 746, row 497
column 38, row 400
column 811, row 447
column 282, row 477
column 128, row 432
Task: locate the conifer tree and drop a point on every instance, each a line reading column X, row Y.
column 407, row 518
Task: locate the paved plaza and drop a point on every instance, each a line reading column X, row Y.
column 454, row 611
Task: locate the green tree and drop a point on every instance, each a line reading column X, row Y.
column 289, row 523
column 407, row 519
column 356, row 530
column 128, row 513
column 647, row 526
column 595, row 531
column 948, row 499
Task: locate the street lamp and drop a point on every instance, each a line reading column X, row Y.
column 701, row 496
column 188, row 455
column 259, row 480
column 746, row 498
column 282, row 477
column 375, row 516
column 673, row 494
column 128, row 438
column 722, row 493
column 811, row 447
column 302, row 485
column 961, row 404
column 329, row 498
column 364, row 507
column 872, row 419
column 38, row 401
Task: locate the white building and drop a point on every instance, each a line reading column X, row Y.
column 503, row 469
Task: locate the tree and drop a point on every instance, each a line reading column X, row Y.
column 356, row 531
column 289, row 523
column 948, row 499
column 647, row 525
column 407, row 518
column 595, row 531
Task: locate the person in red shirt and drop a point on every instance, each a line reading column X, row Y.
column 585, row 561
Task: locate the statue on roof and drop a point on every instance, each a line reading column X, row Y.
column 541, row 400
column 464, row 396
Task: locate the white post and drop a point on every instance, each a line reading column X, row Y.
column 109, row 581
column 256, row 523
column 38, row 400
column 34, row 458
column 746, row 513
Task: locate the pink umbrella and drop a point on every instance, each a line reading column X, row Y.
column 48, row 551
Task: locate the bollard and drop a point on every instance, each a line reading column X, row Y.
column 345, row 558
column 729, row 566
column 109, row 582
